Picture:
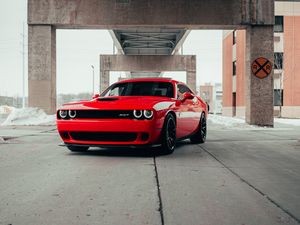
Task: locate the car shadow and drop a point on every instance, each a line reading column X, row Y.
column 128, row 152
column 120, row 152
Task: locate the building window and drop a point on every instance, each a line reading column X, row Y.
column 278, row 60
column 278, row 97
column 278, row 27
column 234, row 37
column 234, row 68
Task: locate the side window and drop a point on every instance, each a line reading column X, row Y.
column 181, row 89
column 116, row 91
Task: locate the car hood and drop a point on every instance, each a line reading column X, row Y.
column 122, row 102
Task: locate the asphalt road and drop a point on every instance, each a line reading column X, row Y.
column 236, row 177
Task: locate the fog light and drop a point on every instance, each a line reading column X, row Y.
column 144, row 136
column 64, row 135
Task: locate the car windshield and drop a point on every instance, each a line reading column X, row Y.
column 162, row 89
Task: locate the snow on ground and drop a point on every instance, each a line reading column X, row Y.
column 28, row 116
column 5, row 109
column 227, row 121
column 234, row 122
column 2, row 140
column 35, row 116
column 294, row 122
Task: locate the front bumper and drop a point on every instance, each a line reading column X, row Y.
column 134, row 146
column 147, row 132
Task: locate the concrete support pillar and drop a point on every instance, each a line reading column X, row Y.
column 42, row 67
column 191, row 73
column 190, row 80
column 104, row 73
column 259, row 92
column 104, row 80
column 148, row 63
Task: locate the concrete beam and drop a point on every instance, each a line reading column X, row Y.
column 116, row 42
column 180, row 42
column 147, row 63
column 42, row 67
column 192, row 14
column 259, row 92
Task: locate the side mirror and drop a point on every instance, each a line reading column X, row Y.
column 187, row 95
column 96, row 96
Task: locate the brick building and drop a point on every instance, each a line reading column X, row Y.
column 286, row 64
column 212, row 94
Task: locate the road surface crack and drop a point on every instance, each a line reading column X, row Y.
column 160, row 208
column 252, row 186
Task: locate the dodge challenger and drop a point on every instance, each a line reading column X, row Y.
column 135, row 113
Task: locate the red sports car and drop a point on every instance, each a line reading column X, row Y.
column 135, row 112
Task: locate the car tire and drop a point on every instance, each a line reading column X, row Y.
column 168, row 135
column 77, row 148
column 200, row 135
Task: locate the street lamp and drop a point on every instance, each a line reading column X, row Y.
column 93, row 69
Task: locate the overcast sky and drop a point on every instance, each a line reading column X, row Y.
column 77, row 50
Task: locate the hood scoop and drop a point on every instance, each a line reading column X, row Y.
column 107, row 99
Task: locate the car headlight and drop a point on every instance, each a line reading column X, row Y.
column 63, row 113
column 138, row 113
column 148, row 114
column 72, row 114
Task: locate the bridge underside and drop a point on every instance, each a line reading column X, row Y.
column 150, row 27
column 148, row 41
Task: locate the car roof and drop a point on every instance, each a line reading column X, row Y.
column 150, row 79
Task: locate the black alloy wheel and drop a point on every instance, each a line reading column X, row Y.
column 200, row 135
column 169, row 135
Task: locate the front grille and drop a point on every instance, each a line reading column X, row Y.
column 104, row 136
column 104, row 114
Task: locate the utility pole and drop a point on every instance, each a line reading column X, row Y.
column 93, row 78
column 23, row 54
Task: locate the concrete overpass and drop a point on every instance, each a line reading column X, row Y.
column 135, row 48
column 131, row 20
